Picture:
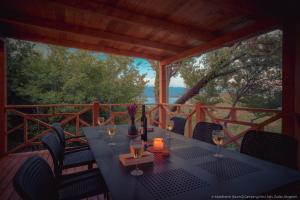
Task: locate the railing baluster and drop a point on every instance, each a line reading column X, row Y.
column 25, row 135
column 77, row 125
column 185, row 110
column 96, row 107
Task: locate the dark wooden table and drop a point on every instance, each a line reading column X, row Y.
column 190, row 172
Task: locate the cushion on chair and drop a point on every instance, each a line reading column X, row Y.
column 77, row 158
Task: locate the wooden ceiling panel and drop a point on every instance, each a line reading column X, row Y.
column 85, row 19
column 164, row 30
column 153, row 8
column 203, row 14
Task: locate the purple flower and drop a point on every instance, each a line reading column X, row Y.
column 132, row 109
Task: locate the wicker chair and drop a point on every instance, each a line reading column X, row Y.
column 62, row 138
column 273, row 147
column 66, row 160
column 179, row 125
column 34, row 181
column 203, row 131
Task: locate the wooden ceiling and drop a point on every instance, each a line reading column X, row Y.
column 164, row 30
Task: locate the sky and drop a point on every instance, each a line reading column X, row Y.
column 144, row 67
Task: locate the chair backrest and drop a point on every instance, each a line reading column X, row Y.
column 51, row 142
column 34, row 180
column 274, row 147
column 179, row 125
column 60, row 133
column 203, row 131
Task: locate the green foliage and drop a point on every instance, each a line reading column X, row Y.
column 20, row 55
column 258, row 83
column 249, row 72
column 77, row 76
column 192, row 71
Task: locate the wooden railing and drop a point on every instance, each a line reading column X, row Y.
column 22, row 119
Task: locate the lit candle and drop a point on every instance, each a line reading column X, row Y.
column 158, row 144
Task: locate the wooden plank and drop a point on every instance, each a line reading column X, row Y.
column 139, row 19
column 15, row 128
column 244, row 109
column 30, row 36
column 47, row 106
column 226, row 39
column 12, row 18
column 3, row 99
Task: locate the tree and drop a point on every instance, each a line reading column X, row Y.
column 258, row 84
column 77, row 76
column 20, row 55
column 206, row 70
column 249, row 71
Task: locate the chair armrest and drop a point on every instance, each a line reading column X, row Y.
column 67, row 179
column 74, row 137
column 75, row 149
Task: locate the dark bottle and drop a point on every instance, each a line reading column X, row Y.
column 144, row 124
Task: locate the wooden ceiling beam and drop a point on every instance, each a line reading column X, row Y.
column 14, row 18
column 136, row 18
column 226, row 39
column 34, row 37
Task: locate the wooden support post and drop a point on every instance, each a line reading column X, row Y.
column 291, row 73
column 96, row 107
column 3, row 136
column 162, row 95
column 290, row 81
column 25, row 130
column 200, row 113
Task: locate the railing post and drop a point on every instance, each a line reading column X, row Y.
column 200, row 114
column 233, row 116
column 77, row 125
column 3, row 120
column 25, row 133
column 96, row 107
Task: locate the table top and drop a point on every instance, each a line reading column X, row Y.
column 189, row 172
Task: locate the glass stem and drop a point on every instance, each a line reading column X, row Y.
column 136, row 165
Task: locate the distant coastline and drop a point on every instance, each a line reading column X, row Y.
column 174, row 94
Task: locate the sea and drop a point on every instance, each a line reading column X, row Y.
column 174, row 94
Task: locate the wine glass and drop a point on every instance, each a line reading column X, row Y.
column 100, row 120
column 170, row 126
column 218, row 138
column 111, row 131
column 136, row 150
